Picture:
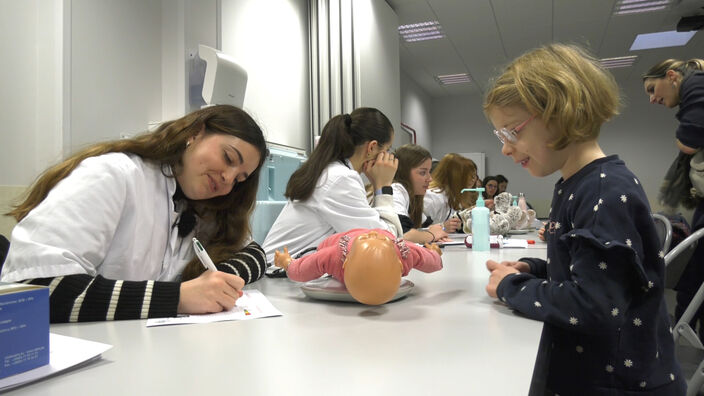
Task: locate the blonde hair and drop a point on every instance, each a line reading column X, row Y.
column 682, row 67
column 564, row 86
column 453, row 173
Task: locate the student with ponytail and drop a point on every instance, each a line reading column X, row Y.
column 327, row 195
column 109, row 230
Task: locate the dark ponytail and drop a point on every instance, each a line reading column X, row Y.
column 338, row 141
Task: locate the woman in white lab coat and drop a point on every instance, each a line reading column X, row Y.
column 109, row 230
column 327, row 195
column 444, row 198
column 411, row 182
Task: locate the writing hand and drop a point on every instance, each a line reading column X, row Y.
column 212, row 291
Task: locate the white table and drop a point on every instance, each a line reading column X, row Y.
column 446, row 338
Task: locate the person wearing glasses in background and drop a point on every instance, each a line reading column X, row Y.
column 675, row 83
column 491, row 186
column 599, row 293
column 503, row 183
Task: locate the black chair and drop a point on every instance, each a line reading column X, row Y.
column 4, row 247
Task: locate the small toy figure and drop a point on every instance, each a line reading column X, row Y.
column 369, row 262
column 504, row 218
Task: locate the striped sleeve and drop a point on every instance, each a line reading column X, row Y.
column 249, row 263
column 83, row 298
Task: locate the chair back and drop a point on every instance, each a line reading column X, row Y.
column 664, row 228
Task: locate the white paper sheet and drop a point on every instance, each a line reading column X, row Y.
column 64, row 353
column 252, row 305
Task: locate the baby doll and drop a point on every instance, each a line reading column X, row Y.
column 504, row 218
column 369, row 262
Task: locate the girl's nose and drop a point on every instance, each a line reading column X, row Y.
column 506, row 149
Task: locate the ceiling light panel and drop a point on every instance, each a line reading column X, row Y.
column 448, row 79
column 430, row 30
column 624, row 7
column 671, row 38
column 621, row 61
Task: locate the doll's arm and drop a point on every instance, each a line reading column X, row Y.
column 424, row 259
column 313, row 266
column 282, row 259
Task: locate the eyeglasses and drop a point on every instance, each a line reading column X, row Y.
column 511, row 135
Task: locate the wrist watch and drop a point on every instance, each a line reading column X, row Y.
column 384, row 190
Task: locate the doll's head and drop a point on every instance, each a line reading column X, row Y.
column 372, row 269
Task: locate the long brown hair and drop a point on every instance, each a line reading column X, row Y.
column 411, row 156
column 340, row 137
column 229, row 214
column 453, row 173
column 683, row 67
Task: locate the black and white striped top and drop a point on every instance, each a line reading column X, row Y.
column 84, row 298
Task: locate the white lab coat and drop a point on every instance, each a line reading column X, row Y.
column 113, row 215
column 339, row 203
column 435, row 205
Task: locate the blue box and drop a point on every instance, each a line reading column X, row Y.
column 24, row 327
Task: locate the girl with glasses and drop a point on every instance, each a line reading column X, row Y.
column 600, row 291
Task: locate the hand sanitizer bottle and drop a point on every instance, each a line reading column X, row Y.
column 480, row 223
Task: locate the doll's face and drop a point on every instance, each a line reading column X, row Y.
column 372, row 270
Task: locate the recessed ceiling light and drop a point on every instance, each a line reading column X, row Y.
column 637, row 6
column 621, row 61
column 671, row 38
column 421, row 31
column 448, row 79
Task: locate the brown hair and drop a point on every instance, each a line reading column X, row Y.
column 340, row 136
column 682, row 67
column 453, row 173
column 564, row 86
column 229, row 213
column 411, row 156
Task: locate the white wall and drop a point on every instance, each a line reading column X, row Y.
column 416, row 112
column 115, row 83
column 30, row 82
column 270, row 39
column 643, row 136
column 377, row 66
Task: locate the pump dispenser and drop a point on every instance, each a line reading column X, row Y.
column 480, row 223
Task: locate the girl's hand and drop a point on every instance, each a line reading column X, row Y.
column 438, row 234
column 489, row 203
column 541, row 233
column 381, row 171
column 452, row 224
column 212, row 291
column 498, row 273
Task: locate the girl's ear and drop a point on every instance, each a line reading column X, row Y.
column 372, row 146
column 672, row 75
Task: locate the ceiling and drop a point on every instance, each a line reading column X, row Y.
column 484, row 35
